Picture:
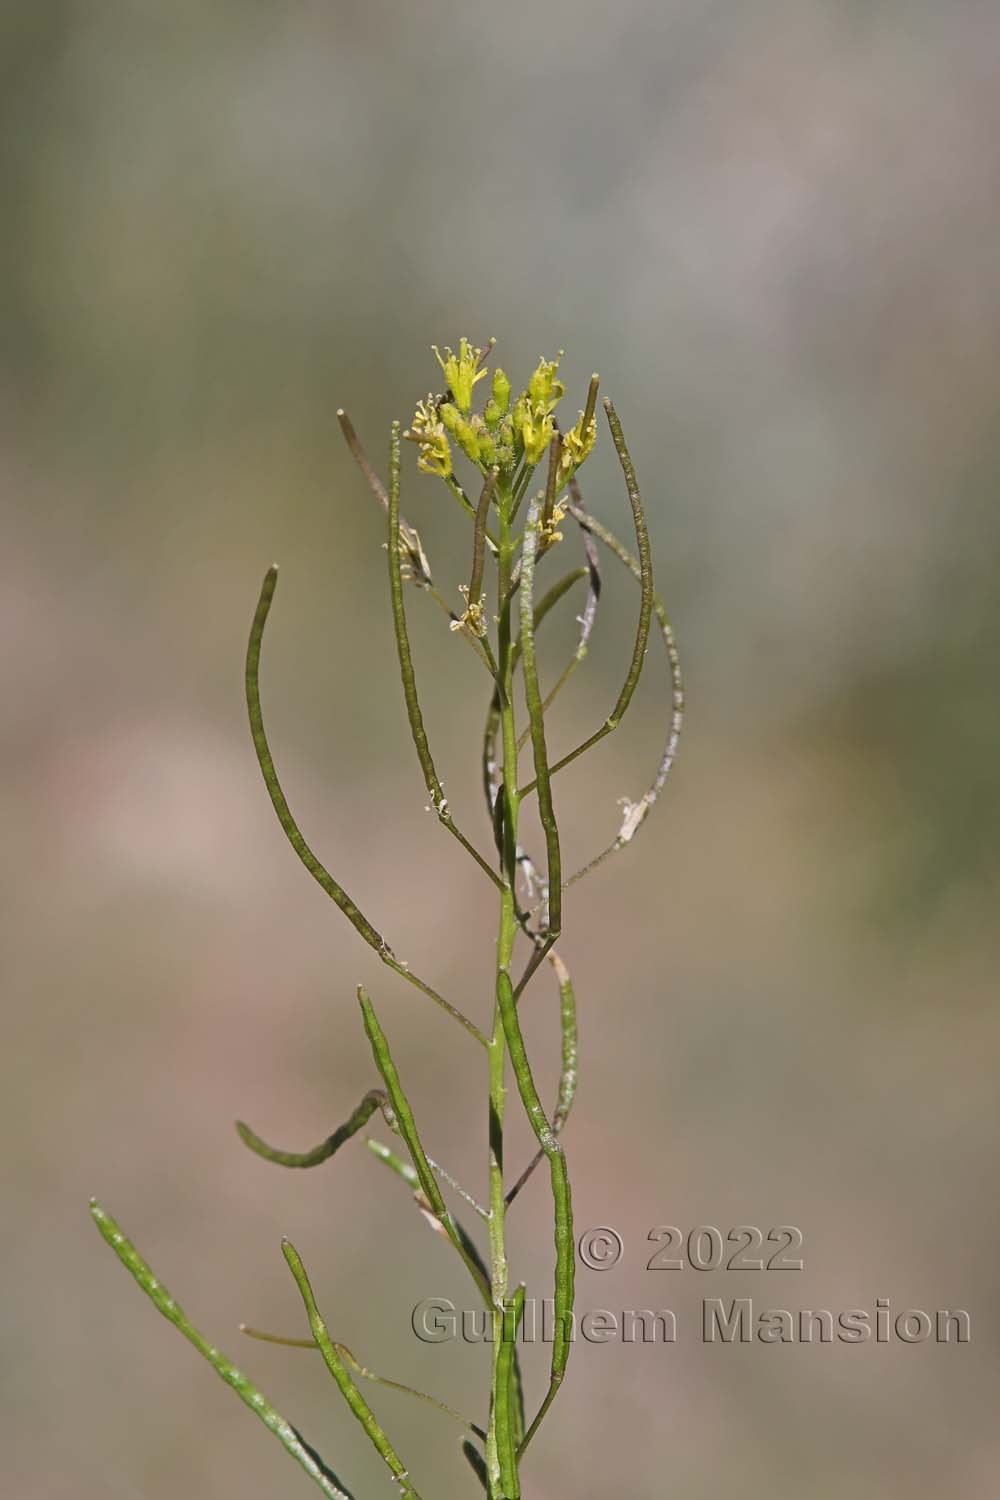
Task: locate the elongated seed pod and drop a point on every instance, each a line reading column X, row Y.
column 292, row 1441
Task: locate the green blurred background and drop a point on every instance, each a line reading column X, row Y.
column 773, row 227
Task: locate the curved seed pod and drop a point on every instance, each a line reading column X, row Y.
column 645, row 605
column 637, row 812
column 291, row 829
column 373, row 1100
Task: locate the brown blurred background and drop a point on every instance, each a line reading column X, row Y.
column 773, row 227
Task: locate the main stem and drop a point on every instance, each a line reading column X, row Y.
column 500, row 1439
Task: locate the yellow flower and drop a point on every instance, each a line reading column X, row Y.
column 534, row 426
column 550, row 534
column 462, row 371
column 532, row 420
column 435, row 455
column 577, row 444
column 474, row 617
column 544, row 389
column 537, row 432
column 428, row 431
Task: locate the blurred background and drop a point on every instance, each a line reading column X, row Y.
column 773, row 228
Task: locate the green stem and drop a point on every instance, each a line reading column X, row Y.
column 561, row 1197
column 500, row 1460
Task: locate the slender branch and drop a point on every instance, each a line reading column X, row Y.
column 403, row 1169
column 338, row 1369
column 277, row 1338
column 360, row 1369
column 291, row 1440
column 291, row 829
column 457, row 1187
column 409, row 1390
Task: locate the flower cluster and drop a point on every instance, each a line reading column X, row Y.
column 509, row 436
